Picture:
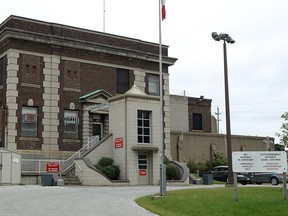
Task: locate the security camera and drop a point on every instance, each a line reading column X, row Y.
column 215, row 36
column 229, row 39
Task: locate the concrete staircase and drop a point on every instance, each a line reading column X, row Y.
column 71, row 180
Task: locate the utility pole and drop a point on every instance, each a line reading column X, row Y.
column 218, row 119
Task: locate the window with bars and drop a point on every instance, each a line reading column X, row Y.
column 144, row 126
column 29, row 122
column 71, row 122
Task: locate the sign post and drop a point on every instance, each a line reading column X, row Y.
column 261, row 161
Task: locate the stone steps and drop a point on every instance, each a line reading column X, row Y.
column 71, row 180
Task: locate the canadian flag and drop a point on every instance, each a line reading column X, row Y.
column 163, row 9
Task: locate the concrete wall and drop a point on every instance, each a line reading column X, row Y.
column 197, row 146
column 103, row 150
column 90, row 177
column 179, row 113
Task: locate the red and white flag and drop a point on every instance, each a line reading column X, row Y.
column 163, row 9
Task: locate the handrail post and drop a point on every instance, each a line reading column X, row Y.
column 39, row 167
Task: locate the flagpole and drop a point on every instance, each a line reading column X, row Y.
column 104, row 15
column 162, row 167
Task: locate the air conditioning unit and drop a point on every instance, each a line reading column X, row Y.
column 30, row 118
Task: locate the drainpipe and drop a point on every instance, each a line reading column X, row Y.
column 126, row 160
column 5, row 110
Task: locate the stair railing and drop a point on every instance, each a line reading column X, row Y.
column 39, row 166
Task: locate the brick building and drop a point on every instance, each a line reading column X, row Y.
column 60, row 86
column 56, row 82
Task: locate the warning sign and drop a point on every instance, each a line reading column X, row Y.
column 142, row 172
column 52, row 167
column 267, row 161
column 118, row 142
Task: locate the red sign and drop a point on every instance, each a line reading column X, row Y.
column 142, row 172
column 118, row 142
column 52, row 167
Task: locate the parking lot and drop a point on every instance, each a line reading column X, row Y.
column 32, row 200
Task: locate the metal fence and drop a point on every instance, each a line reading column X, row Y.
column 38, row 166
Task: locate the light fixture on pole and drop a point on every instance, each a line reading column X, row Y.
column 228, row 39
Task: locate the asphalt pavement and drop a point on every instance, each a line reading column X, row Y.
column 35, row 200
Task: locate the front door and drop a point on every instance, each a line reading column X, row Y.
column 97, row 124
column 143, row 169
column 97, row 130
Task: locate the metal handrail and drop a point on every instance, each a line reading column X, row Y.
column 39, row 165
column 78, row 166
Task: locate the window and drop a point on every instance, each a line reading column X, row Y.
column 71, row 122
column 197, row 121
column 122, row 81
column 153, row 84
column 29, row 122
column 144, row 126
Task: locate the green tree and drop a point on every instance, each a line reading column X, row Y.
column 279, row 147
column 283, row 135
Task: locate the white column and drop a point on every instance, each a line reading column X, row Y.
column 51, row 99
column 11, row 99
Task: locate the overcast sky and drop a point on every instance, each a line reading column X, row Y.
column 257, row 61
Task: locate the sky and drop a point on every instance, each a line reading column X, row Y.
column 257, row 61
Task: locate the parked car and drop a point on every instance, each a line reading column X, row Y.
column 220, row 173
column 264, row 177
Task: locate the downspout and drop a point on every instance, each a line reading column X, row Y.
column 126, row 148
column 5, row 109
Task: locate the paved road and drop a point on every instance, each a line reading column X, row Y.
column 34, row 200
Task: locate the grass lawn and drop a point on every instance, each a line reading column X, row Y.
column 256, row 201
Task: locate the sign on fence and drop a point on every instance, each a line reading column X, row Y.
column 260, row 161
column 52, row 167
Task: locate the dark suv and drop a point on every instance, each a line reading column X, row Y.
column 220, row 173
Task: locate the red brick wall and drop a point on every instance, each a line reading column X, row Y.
column 200, row 107
column 35, row 77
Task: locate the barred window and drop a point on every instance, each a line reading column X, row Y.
column 71, row 123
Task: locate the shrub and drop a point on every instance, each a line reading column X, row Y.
column 111, row 171
column 194, row 167
column 171, row 172
column 105, row 161
column 108, row 168
column 218, row 160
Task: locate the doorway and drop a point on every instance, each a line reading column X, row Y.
column 97, row 125
column 143, row 169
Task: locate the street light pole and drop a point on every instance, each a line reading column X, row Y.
column 228, row 39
